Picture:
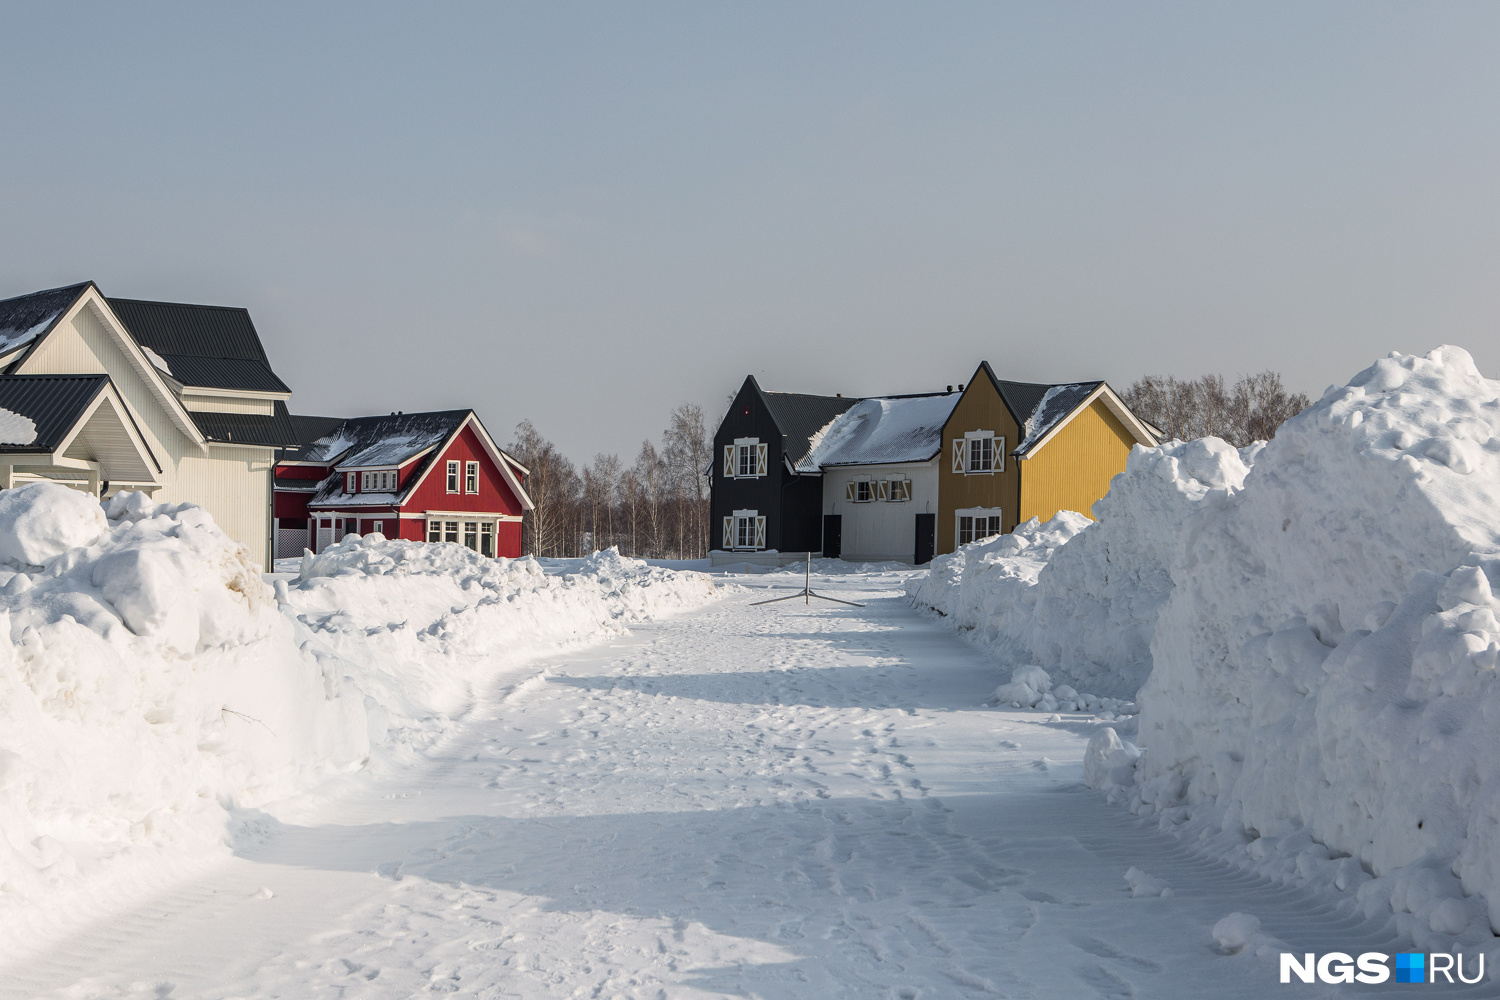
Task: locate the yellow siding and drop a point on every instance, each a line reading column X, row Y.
column 1074, row 469
column 980, row 408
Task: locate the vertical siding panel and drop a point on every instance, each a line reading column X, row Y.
column 981, row 408
column 1075, row 468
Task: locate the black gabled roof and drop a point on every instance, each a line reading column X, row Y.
column 274, row 430
column 26, row 317
column 799, row 416
column 213, row 347
column 52, row 402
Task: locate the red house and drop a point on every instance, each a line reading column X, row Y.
column 436, row 477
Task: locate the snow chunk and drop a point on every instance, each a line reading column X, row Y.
column 1143, row 886
column 15, row 428
column 1236, row 931
column 41, row 521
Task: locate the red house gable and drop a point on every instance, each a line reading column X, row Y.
column 436, row 477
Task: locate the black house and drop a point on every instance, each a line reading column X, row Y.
column 762, row 495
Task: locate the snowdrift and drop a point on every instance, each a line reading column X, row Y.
column 1313, row 639
column 153, row 679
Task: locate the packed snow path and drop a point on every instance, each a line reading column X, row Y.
column 785, row 801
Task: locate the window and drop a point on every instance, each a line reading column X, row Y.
column 450, row 531
column 745, row 529
column 471, row 477
column 979, row 453
column 900, row 490
column 977, row 523
column 862, row 491
column 434, row 531
column 452, row 477
column 471, row 535
column 349, row 483
column 487, row 539
column 745, row 459
column 378, row 527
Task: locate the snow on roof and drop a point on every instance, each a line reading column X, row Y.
column 1055, row 405
column 25, row 317
column 882, row 431
column 16, row 429
column 396, row 449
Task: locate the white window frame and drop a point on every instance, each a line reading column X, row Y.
column 745, row 531
column 471, row 478
column 434, row 529
column 349, row 482
column 378, row 527
column 898, row 489
column 453, row 474
column 964, row 448
column 975, row 512
column 745, row 459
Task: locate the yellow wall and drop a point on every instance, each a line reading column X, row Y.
column 1074, row 469
column 980, row 409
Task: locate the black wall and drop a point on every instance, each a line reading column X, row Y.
column 748, row 417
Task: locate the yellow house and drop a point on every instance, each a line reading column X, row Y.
column 1018, row 450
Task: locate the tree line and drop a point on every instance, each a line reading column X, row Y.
column 1248, row 411
column 654, row 508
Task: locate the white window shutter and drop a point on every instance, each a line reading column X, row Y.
column 999, row 454
column 729, row 461
column 760, row 531
column 728, row 540
column 885, row 490
column 760, row 459
column 849, row 491
column 960, row 453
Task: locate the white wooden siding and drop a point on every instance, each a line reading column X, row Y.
column 880, row 530
column 227, row 404
column 232, row 484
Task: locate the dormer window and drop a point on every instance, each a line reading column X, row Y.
column 349, row 480
column 381, row 481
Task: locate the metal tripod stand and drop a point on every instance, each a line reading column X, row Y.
column 807, row 593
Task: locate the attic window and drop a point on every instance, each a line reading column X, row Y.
column 745, row 459
column 471, row 477
column 452, row 477
column 979, row 453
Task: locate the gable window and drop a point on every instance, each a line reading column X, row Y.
column 453, row 478
column 745, row 529
column 979, row 453
column 471, row 477
column 745, row 459
column 976, row 523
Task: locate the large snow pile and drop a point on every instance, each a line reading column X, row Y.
column 421, row 625
column 1326, row 659
column 151, row 681
column 1317, row 638
column 1083, row 603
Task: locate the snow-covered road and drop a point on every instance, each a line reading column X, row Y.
column 783, row 801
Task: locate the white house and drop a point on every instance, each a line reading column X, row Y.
column 879, row 461
column 188, row 408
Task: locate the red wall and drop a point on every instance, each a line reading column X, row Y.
column 494, row 496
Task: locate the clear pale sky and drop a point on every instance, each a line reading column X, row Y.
column 585, row 214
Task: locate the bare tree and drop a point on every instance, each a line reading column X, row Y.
column 685, row 450
column 651, row 480
column 601, row 482
column 553, row 486
column 1192, row 408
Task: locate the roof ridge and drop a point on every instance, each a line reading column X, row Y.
column 165, row 302
column 48, row 291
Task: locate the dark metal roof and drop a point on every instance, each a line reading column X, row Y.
column 273, row 431
column 53, row 402
column 799, row 417
column 26, row 317
column 391, row 440
column 309, row 431
column 215, row 347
